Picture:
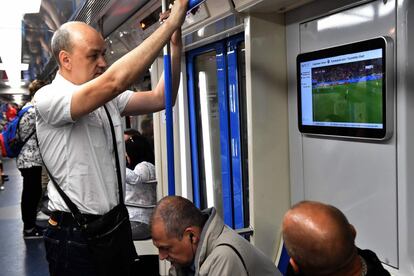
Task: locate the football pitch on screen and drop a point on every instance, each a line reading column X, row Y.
column 359, row 102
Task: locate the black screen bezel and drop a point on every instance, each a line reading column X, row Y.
column 372, row 44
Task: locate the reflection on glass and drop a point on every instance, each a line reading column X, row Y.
column 142, row 123
column 208, row 120
column 241, row 69
column 345, row 19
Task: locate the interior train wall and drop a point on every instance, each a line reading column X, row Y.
column 369, row 180
column 267, row 127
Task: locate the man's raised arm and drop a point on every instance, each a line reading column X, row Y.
column 127, row 69
column 153, row 101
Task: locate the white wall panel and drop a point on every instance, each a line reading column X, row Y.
column 359, row 177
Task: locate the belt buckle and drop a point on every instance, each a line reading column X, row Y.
column 52, row 222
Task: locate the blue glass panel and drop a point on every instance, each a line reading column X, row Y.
column 193, row 131
column 224, row 137
column 222, row 186
column 236, row 156
column 232, row 131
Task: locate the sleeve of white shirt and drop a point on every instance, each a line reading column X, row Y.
column 140, row 174
column 123, row 99
column 131, row 177
column 53, row 107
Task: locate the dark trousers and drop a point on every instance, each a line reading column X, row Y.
column 31, row 194
column 68, row 254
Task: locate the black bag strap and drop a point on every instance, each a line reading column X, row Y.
column 28, row 137
column 80, row 220
column 238, row 254
column 118, row 167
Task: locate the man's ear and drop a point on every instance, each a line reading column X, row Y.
column 353, row 231
column 65, row 60
column 192, row 235
column 294, row 265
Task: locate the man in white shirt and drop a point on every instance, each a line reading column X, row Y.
column 74, row 133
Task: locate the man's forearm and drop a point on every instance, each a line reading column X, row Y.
column 176, row 50
column 127, row 69
column 145, row 54
column 124, row 72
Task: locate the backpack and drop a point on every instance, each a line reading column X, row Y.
column 10, row 140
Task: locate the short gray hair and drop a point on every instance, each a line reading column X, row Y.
column 178, row 213
column 61, row 41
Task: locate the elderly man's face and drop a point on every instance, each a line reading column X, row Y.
column 179, row 252
column 88, row 55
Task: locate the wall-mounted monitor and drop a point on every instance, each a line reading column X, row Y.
column 347, row 90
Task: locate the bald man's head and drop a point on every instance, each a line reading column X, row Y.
column 80, row 52
column 63, row 38
column 318, row 237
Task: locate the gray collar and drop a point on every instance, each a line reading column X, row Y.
column 364, row 269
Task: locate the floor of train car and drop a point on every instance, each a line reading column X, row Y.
column 18, row 257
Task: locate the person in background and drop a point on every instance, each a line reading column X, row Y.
column 29, row 162
column 320, row 241
column 198, row 243
column 73, row 116
column 140, row 160
column 147, row 129
column 11, row 112
column 3, row 122
column 129, row 132
column 3, row 177
column 3, row 117
column 139, row 188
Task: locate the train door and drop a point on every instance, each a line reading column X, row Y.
column 217, row 105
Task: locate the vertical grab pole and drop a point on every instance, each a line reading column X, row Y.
column 168, row 112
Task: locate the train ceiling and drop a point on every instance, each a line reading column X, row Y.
column 106, row 15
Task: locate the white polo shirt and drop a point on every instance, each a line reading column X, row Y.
column 79, row 154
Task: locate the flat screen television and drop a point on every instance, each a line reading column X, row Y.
column 347, row 90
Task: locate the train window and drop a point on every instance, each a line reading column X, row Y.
column 218, row 129
column 346, row 90
column 143, row 123
column 241, row 64
column 208, row 117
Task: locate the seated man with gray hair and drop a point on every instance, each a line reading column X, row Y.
column 320, row 241
column 198, row 243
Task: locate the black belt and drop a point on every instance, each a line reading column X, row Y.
column 66, row 219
